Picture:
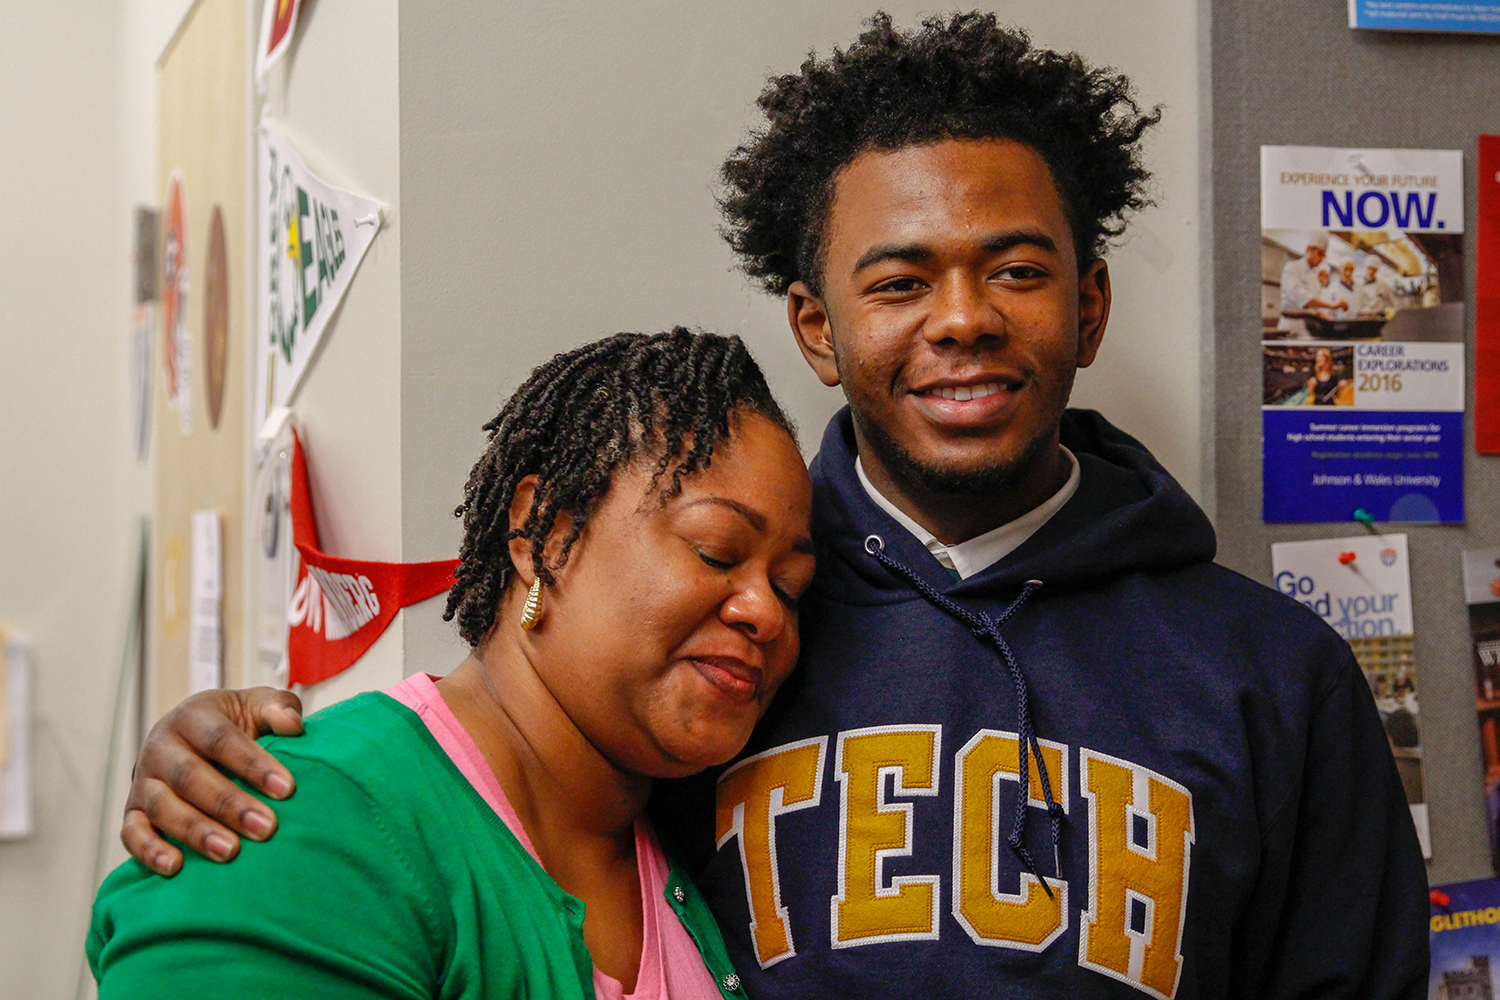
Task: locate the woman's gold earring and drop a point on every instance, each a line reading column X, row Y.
column 532, row 612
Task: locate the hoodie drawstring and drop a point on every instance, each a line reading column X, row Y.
column 987, row 627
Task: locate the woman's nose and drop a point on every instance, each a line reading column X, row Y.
column 755, row 610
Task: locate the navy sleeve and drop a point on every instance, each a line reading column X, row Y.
column 1341, row 906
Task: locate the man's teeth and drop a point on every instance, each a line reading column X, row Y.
column 962, row 392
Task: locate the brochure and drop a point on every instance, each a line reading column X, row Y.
column 1482, row 592
column 1362, row 334
column 1361, row 585
column 1464, row 928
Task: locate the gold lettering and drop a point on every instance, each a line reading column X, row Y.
column 750, row 797
column 869, row 907
column 1029, row 919
column 1127, row 874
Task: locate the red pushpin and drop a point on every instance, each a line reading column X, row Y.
column 1437, row 898
column 1346, row 557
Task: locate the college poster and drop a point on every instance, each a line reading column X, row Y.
column 1482, row 592
column 1362, row 334
column 1464, row 936
column 1362, row 587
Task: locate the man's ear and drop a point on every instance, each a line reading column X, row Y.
column 814, row 332
column 1093, row 310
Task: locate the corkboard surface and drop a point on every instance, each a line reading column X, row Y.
column 203, row 133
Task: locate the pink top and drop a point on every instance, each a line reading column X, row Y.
column 671, row 966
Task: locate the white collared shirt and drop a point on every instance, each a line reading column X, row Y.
column 982, row 551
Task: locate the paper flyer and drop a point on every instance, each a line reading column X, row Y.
column 1362, row 334
column 205, row 634
column 17, row 817
column 1361, row 586
column 1482, row 594
column 1468, row 16
column 1487, row 300
column 312, row 238
column 275, row 560
column 1464, row 936
column 177, row 345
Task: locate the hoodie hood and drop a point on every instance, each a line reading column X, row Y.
column 1129, row 515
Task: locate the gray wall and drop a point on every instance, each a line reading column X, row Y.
column 1286, row 72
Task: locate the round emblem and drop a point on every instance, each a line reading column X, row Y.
column 216, row 317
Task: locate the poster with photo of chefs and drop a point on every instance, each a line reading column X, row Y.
column 1362, row 334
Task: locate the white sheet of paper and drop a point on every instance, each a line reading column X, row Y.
column 1366, row 597
column 16, row 817
column 205, row 639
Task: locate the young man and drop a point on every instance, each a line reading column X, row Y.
column 1010, row 595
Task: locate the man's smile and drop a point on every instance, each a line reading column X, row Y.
column 968, row 403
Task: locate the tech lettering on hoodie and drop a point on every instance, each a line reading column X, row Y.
column 1140, row 840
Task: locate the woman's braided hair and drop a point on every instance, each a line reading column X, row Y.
column 572, row 423
column 958, row 76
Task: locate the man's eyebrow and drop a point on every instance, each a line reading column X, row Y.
column 756, row 518
column 1001, row 242
column 920, row 252
column 914, row 252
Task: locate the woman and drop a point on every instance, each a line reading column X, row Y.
column 635, row 542
column 1322, row 387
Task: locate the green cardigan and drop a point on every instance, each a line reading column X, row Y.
column 389, row 876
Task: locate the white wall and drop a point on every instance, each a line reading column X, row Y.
column 558, row 163
column 335, row 96
column 67, row 479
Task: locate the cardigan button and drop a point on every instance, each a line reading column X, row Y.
column 678, row 894
column 732, row 982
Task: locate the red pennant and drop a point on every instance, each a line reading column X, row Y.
column 1487, row 300
column 281, row 23
column 341, row 606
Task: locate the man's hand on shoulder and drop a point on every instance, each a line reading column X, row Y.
column 177, row 790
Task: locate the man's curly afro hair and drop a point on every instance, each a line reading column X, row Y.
column 960, row 76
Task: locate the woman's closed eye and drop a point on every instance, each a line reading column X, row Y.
column 717, row 563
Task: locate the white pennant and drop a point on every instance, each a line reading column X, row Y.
column 312, row 238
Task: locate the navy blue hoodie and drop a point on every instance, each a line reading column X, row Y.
column 1228, row 818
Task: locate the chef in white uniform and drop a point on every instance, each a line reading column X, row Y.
column 1299, row 285
column 1375, row 293
column 1342, row 293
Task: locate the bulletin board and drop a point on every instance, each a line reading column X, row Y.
column 203, row 136
column 1297, row 75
